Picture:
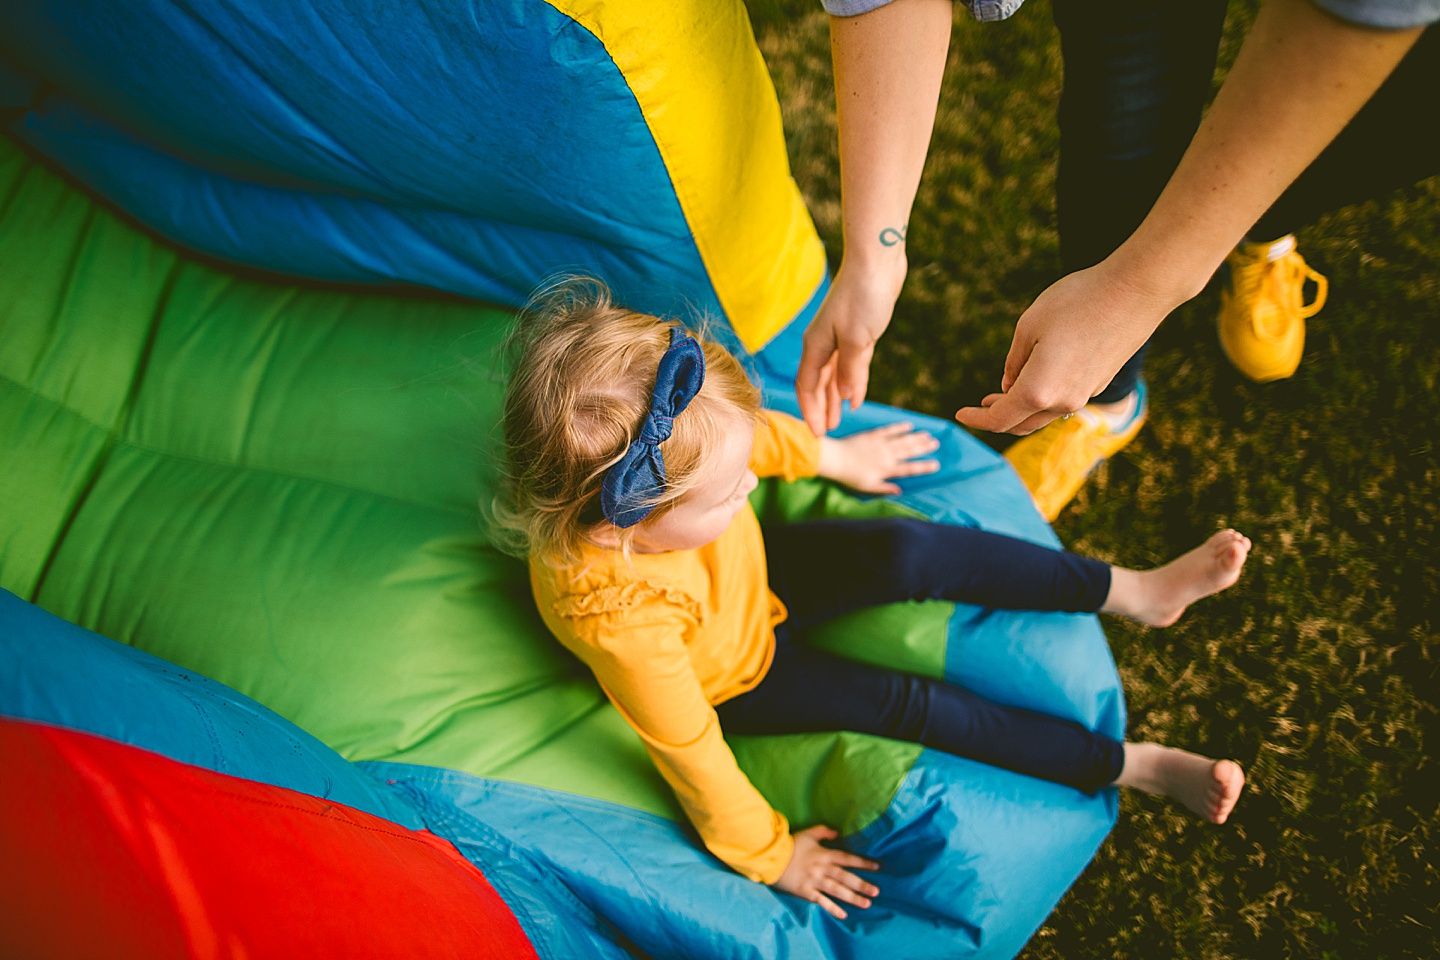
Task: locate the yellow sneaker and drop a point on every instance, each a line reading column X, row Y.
column 1263, row 308
column 1055, row 460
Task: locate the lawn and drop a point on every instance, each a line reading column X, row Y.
column 1318, row 670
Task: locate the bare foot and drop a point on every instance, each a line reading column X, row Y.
column 1210, row 788
column 1158, row 597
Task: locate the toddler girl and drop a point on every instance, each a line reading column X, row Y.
column 633, row 447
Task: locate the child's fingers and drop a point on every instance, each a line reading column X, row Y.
column 915, row 468
column 906, row 434
column 858, row 884
column 829, row 906
column 854, row 861
column 914, row 445
column 841, row 892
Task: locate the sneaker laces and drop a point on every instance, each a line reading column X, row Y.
column 1282, row 282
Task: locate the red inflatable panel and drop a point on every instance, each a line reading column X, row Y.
column 110, row 851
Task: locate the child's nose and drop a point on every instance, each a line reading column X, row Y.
column 751, row 481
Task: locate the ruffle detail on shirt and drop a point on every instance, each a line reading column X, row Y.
column 622, row 598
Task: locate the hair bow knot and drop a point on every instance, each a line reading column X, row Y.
column 634, row 485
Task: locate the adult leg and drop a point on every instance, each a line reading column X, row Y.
column 825, row 568
column 1137, row 75
column 808, row 691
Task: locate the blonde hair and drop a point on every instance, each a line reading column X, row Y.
column 581, row 384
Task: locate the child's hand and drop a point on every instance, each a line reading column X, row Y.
column 866, row 461
column 817, row 873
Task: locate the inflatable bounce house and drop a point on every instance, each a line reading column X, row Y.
column 266, row 689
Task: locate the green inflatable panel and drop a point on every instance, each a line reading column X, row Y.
column 279, row 487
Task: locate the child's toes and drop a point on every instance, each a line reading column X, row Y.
column 1230, row 557
column 1223, row 542
column 1229, row 537
column 1229, row 780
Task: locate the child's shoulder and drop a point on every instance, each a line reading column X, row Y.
column 606, row 584
column 627, row 600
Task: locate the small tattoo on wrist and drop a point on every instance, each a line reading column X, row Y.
column 890, row 236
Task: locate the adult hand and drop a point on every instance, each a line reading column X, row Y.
column 1068, row 346
column 1300, row 76
column 818, row 874
column 835, row 363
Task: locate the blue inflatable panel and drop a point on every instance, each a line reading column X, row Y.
column 669, row 897
column 469, row 148
column 58, row 673
column 647, row 875
column 1029, row 841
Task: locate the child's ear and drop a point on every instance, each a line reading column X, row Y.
column 604, row 534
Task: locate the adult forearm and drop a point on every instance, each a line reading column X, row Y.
column 1301, row 75
column 888, row 68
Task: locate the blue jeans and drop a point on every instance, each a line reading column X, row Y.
column 827, row 568
column 1137, row 77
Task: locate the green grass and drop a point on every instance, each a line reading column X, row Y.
column 1318, row 671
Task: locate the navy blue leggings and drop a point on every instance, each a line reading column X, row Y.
column 826, row 568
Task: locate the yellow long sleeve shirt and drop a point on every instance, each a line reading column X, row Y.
column 669, row 635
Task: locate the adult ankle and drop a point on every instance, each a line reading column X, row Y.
column 1271, row 249
column 1116, row 414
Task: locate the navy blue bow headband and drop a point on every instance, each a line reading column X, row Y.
column 633, row 486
